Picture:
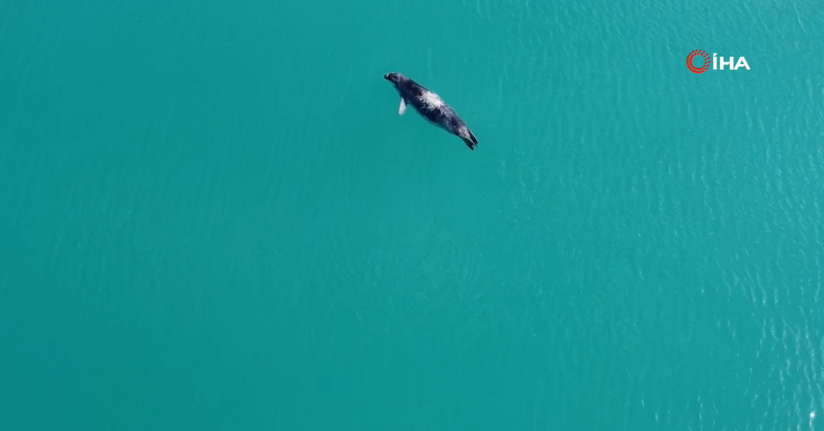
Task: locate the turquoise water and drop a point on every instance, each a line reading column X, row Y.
column 213, row 217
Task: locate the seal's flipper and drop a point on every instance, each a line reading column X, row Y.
column 402, row 108
column 469, row 139
column 469, row 144
column 471, row 136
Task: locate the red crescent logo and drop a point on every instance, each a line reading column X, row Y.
column 707, row 61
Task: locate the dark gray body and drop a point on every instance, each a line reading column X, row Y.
column 430, row 106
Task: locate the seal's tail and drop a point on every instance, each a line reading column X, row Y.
column 472, row 142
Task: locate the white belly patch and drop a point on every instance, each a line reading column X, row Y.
column 431, row 100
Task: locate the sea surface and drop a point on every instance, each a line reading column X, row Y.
column 212, row 216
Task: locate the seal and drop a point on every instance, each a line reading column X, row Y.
column 431, row 107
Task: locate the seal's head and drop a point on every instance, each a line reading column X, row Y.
column 393, row 77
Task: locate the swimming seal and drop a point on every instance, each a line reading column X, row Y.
column 430, row 106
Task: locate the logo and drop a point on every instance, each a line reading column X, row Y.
column 701, row 54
